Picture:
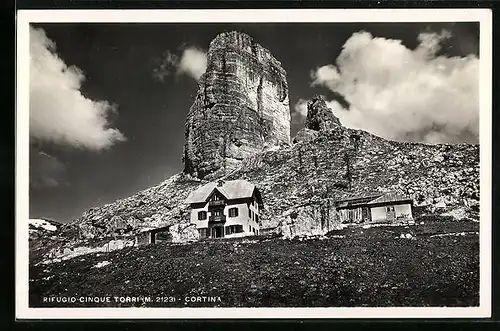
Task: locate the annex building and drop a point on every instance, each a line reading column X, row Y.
column 388, row 207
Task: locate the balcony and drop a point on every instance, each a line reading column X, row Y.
column 216, row 203
column 217, row 218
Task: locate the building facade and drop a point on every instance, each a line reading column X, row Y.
column 389, row 207
column 226, row 208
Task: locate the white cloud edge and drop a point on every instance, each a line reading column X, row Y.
column 59, row 112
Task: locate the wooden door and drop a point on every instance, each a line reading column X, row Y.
column 217, row 232
column 366, row 214
column 390, row 214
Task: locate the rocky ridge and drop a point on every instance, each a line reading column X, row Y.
column 300, row 181
column 309, row 176
column 336, row 162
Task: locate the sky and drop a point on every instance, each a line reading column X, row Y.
column 108, row 102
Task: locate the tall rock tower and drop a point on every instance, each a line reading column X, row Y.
column 241, row 106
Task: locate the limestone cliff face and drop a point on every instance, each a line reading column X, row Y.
column 240, row 108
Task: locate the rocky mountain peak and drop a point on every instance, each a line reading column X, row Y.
column 242, row 42
column 241, row 107
column 320, row 116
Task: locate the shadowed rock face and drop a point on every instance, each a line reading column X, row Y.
column 240, row 108
column 319, row 116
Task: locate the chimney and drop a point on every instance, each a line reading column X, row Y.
column 220, row 182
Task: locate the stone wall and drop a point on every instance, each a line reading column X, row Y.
column 241, row 106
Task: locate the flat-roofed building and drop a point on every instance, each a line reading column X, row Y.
column 382, row 207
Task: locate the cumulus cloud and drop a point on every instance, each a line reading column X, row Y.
column 166, row 65
column 191, row 62
column 404, row 94
column 299, row 112
column 59, row 112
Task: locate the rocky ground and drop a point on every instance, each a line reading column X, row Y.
column 430, row 264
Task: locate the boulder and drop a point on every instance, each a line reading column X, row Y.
column 312, row 220
column 305, row 135
column 183, row 232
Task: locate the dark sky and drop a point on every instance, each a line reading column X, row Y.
column 118, row 61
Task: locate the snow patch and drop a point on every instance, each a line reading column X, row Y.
column 406, row 236
column 101, row 264
column 457, row 214
column 453, row 234
column 68, row 253
column 42, row 224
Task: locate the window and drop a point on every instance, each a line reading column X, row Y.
column 203, row 232
column 233, row 212
column 216, row 198
column 217, row 213
column 234, row 229
column 249, row 212
column 256, row 218
column 202, row 215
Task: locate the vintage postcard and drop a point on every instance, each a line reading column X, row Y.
column 253, row 164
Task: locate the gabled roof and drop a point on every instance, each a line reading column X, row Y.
column 364, row 196
column 232, row 189
column 393, row 196
column 372, row 199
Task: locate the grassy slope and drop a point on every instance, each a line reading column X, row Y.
column 367, row 267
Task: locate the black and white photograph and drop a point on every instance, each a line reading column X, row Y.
column 243, row 163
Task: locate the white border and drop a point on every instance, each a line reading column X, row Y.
column 252, row 16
